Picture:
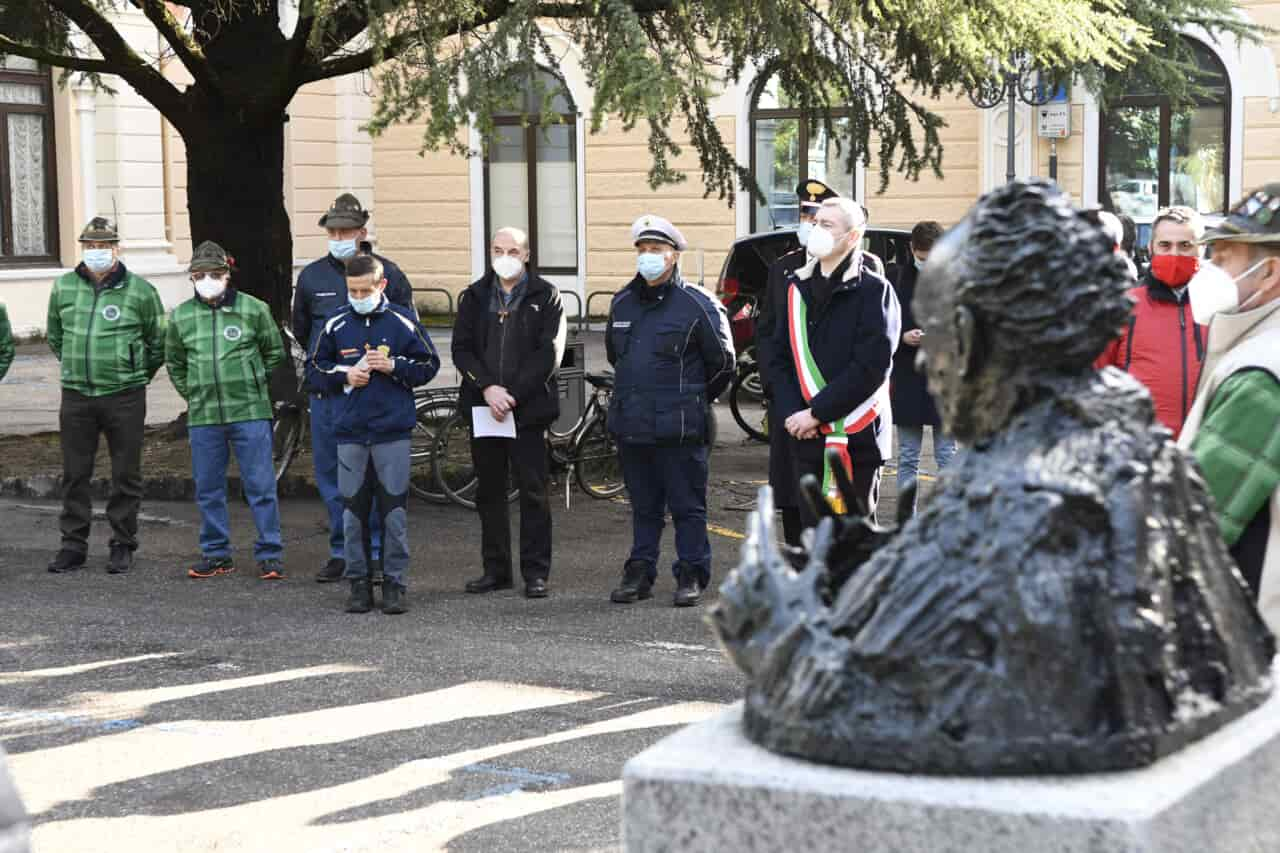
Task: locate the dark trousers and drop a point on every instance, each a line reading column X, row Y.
column 496, row 459
column 807, row 458
column 662, row 478
column 120, row 417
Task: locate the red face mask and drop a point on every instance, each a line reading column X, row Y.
column 1174, row 270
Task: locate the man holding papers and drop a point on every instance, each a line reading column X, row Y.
column 370, row 356
column 507, row 343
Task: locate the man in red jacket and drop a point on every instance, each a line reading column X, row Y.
column 1162, row 346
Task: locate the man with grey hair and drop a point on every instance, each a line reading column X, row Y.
column 508, row 340
column 831, row 379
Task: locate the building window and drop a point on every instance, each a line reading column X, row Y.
column 531, row 176
column 787, row 149
column 28, row 194
column 1156, row 153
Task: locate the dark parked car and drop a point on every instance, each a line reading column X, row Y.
column 746, row 270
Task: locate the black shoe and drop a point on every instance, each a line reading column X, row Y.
column 488, row 583
column 361, row 598
column 536, row 588
column 393, row 599
column 121, row 560
column 688, row 589
column 636, row 585
column 375, row 571
column 66, row 561
column 332, row 571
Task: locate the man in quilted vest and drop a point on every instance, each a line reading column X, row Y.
column 1234, row 425
column 106, row 326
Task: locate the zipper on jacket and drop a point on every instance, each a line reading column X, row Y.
column 1182, row 342
column 217, row 380
column 88, row 337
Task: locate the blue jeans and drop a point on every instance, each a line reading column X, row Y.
column 210, row 454
column 324, row 451
column 910, row 440
column 366, row 473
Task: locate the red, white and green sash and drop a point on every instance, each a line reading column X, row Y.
column 811, row 382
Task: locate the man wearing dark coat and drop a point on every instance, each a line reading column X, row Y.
column 913, row 405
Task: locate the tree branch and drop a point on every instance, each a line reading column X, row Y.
column 184, row 47
column 360, row 61
column 74, row 63
column 301, row 35
column 123, row 61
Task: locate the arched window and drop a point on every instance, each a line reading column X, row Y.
column 1157, row 153
column 28, row 195
column 787, row 149
column 531, row 176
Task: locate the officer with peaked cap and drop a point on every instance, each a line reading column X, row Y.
column 1233, row 424
column 322, row 290
column 669, row 343
column 106, row 326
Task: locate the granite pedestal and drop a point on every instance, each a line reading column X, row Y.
column 15, row 831
column 707, row 788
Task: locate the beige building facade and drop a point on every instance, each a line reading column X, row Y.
column 70, row 153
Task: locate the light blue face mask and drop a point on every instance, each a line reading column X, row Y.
column 342, row 249
column 651, row 266
column 365, row 305
column 803, row 232
column 97, row 260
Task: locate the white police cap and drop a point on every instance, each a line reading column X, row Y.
column 650, row 227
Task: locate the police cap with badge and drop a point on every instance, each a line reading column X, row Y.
column 1255, row 219
column 345, row 212
column 657, row 230
column 812, row 194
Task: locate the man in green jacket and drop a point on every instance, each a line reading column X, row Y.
column 106, row 326
column 222, row 345
column 6, row 342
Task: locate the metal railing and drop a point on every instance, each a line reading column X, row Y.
column 448, row 295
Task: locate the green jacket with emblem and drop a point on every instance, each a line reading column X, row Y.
column 220, row 358
column 6, row 342
column 109, row 336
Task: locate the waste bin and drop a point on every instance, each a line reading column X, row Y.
column 572, row 384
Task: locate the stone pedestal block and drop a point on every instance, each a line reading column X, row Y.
column 707, row 788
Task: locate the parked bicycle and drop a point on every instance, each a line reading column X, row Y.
column 586, row 451
column 747, row 402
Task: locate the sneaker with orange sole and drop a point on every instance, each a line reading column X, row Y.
column 270, row 570
column 211, row 566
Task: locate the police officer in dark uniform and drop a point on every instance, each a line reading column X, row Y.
column 782, row 475
column 670, row 346
column 321, row 290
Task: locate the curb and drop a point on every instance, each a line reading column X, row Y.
column 49, row 487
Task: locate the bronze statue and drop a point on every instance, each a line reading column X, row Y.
column 1064, row 603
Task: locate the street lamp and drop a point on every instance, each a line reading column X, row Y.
column 1019, row 81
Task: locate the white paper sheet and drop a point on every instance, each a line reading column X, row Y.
column 484, row 425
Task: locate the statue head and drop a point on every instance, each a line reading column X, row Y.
column 1025, row 288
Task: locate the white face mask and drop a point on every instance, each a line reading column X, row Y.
column 211, row 288
column 821, row 242
column 507, row 267
column 1213, row 291
column 803, row 233
column 97, row 260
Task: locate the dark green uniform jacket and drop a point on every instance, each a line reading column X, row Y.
column 6, row 342
column 219, row 358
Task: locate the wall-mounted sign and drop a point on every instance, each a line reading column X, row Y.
column 1053, row 121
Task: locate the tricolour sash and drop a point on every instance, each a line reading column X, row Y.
column 811, row 382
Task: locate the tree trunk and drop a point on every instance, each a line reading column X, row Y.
column 235, row 197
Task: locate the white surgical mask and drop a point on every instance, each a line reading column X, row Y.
column 342, row 249
column 803, row 232
column 97, row 260
column 507, row 267
column 211, row 288
column 365, row 305
column 821, row 243
column 651, row 266
column 1214, row 291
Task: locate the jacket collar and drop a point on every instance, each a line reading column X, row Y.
column 118, row 277
column 1226, row 330
column 1161, row 292
column 852, row 271
column 642, row 287
column 228, row 299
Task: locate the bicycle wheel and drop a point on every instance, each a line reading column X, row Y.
column 753, row 419
column 454, row 473
column 433, row 413
column 286, row 438
column 596, row 465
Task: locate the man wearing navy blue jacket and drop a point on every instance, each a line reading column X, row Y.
column 370, row 356
column 669, row 343
column 321, row 290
